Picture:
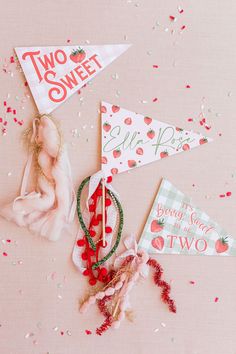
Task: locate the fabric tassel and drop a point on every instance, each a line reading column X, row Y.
column 113, row 299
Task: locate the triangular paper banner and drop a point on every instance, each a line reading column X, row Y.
column 176, row 226
column 131, row 140
column 55, row 73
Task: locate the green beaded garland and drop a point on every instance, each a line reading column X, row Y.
column 86, row 231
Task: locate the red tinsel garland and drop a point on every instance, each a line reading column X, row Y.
column 106, row 313
column 165, row 294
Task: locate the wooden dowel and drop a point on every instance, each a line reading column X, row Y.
column 103, row 214
column 116, row 308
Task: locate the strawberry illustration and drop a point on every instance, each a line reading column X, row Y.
column 178, row 129
column 163, row 154
column 116, row 153
column 203, row 141
column 186, row 147
column 128, row 121
column 104, row 160
column 114, row 171
column 139, row 151
column 132, row 163
column 157, row 225
column 147, row 120
column 151, row 134
column 103, row 109
column 158, row 243
column 221, row 245
column 106, row 127
column 77, row 55
column 115, row 108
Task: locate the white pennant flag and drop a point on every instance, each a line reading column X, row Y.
column 55, row 73
column 132, row 140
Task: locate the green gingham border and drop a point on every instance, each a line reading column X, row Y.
column 170, row 197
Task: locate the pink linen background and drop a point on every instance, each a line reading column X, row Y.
column 40, row 288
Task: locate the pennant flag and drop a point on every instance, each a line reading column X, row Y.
column 176, row 226
column 55, row 73
column 131, row 140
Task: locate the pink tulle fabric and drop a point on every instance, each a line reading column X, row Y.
column 50, row 207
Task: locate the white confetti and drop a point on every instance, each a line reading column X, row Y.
column 115, row 76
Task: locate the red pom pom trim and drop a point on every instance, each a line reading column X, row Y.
column 108, row 230
column 80, row 243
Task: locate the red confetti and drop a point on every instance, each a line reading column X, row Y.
column 180, row 10
column 68, row 40
column 222, row 195
column 5, row 103
column 192, row 282
column 12, row 60
column 190, row 119
column 155, row 66
column 216, row 299
column 4, row 254
column 228, row 194
column 0, row 120
column 109, row 179
column 183, row 27
column 14, row 111
column 88, row 332
column 172, row 18
column 8, row 240
column 188, row 86
column 155, row 99
column 62, row 333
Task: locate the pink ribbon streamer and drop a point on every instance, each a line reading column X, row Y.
column 49, row 208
